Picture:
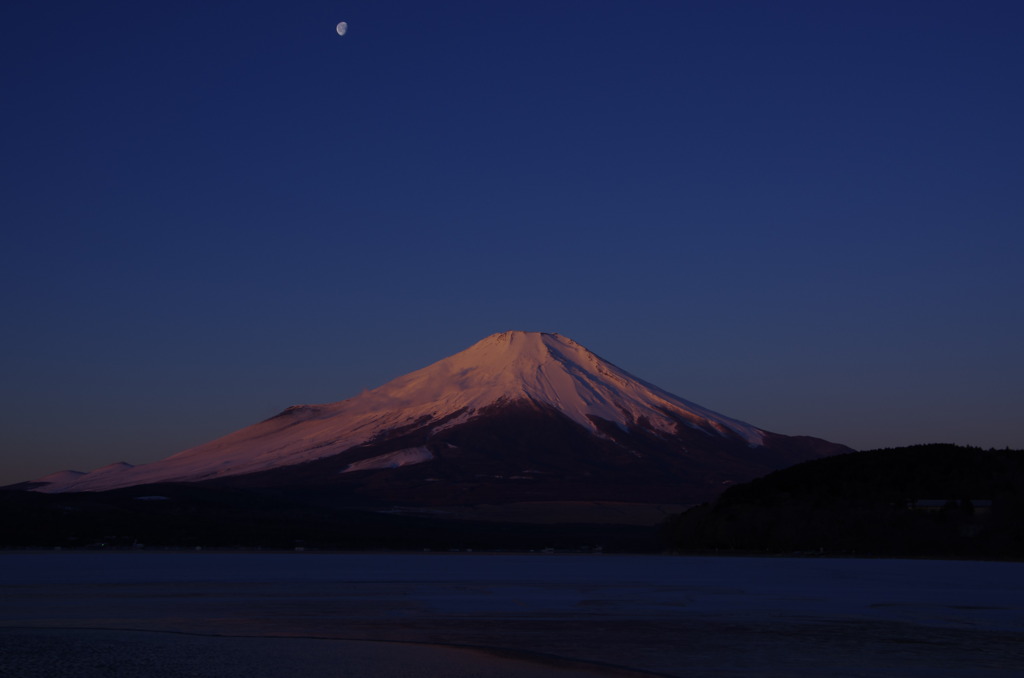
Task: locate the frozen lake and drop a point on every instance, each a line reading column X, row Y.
column 671, row 616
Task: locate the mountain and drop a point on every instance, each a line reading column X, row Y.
column 518, row 416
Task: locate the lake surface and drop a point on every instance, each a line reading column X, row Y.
column 667, row 615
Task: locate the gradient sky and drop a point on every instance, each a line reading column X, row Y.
column 805, row 215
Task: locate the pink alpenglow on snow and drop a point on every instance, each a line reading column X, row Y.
column 427, row 408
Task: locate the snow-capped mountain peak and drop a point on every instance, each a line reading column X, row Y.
column 550, row 369
column 545, row 370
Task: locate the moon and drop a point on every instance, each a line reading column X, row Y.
column 341, row 28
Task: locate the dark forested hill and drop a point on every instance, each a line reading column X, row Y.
column 924, row 500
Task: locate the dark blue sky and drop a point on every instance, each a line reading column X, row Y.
column 805, row 215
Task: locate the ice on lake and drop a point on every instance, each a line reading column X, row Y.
column 673, row 616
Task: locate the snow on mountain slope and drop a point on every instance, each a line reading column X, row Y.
column 546, row 369
column 408, row 457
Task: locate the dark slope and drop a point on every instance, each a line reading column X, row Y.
column 526, row 451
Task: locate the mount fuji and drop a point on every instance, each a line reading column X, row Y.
column 517, row 417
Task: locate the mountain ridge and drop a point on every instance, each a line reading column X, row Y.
column 513, row 406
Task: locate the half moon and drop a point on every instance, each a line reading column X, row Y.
column 342, row 28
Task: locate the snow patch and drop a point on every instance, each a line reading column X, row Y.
column 409, row 457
